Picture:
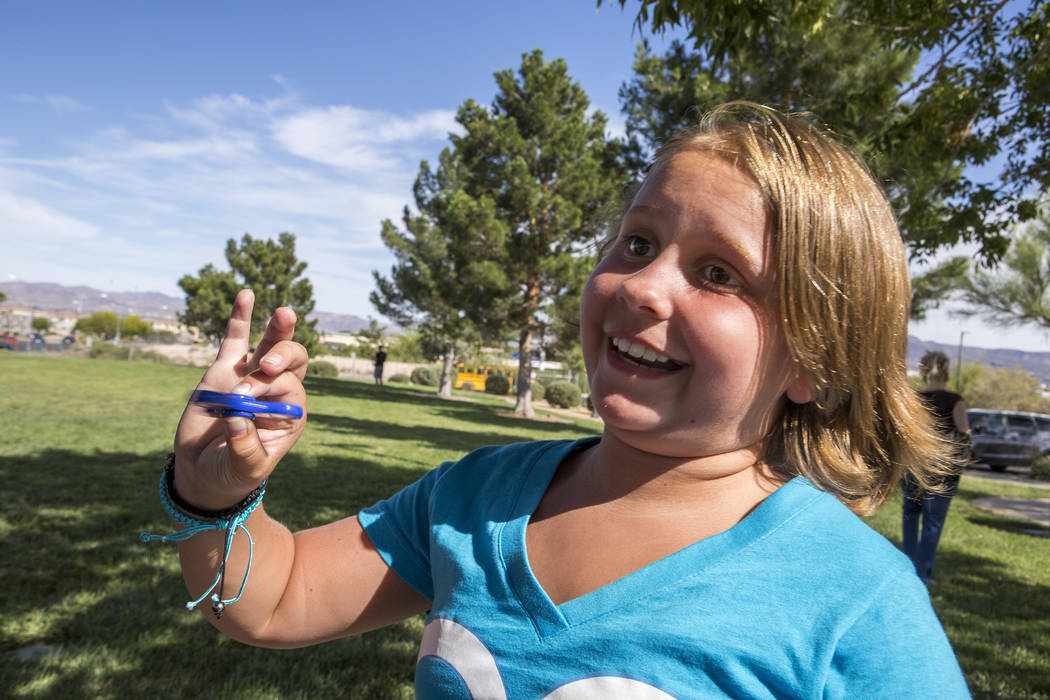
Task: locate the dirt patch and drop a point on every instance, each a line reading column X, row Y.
column 194, row 355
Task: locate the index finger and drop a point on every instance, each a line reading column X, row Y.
column 238, row 329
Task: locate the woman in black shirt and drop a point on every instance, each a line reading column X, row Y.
column 927, row 511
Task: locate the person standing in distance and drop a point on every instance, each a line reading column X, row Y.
column 380, row 358
column 927, row 510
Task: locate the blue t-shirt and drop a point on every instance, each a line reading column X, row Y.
column 800, row 599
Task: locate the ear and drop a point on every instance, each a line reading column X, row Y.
column 800, row 391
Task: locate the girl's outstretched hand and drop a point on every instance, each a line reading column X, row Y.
column 218, row 461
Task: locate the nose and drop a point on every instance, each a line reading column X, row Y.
column 649, row 290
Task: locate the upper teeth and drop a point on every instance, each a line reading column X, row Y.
column 636, row 349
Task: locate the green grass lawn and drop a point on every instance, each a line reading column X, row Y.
column 81, row 448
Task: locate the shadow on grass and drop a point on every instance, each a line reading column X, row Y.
column 77, row 578
column 459, row 409
column 1013, row 526
column 309, row 491
column 493, row 427
column 997, row 624
column 323, row 386
column 458, row 441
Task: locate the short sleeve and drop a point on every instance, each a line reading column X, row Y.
column 896, row 648
column 399, row 527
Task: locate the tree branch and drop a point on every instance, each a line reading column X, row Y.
column 977, row 24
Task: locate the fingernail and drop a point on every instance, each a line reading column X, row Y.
column 236, row 426
column 272, row 360
column 242, row 388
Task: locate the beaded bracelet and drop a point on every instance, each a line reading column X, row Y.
column 229, row 520
column 200, row 513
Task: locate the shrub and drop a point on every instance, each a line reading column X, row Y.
column 497, row 384
column 109, row 351
column 468, row 386
column 322, row 368
column 400, row 379
column 427, row 375
column 537, row 391
column 563, row 394
column 150, row 356
column 1041, row 468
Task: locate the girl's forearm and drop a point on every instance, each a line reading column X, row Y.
column 272, row 554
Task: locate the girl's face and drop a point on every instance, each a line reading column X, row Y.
column 684, row 353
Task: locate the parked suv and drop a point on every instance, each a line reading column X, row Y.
column 1042, row 432
column 1008, row 438
column 8, row 342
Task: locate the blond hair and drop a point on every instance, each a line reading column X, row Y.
column 934, row 366
column 844, row 293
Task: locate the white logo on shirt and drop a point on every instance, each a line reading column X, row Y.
column 460, row 648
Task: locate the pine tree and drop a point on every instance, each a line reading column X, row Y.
column 537, row 174
column 440, row 278
column 270, row 269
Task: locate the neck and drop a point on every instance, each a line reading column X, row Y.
column 936, row 384
column 616, row 470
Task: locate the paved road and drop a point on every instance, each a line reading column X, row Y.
column 1036, row 510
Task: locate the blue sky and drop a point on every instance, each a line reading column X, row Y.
column 136, row 138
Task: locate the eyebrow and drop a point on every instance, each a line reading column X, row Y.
column 720, row 236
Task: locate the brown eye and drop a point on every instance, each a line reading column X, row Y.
column 718, row 275
column 638, row 247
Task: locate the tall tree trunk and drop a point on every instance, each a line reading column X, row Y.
column 523, row 406
column 447, row 368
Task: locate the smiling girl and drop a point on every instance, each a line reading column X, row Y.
column 745, row 339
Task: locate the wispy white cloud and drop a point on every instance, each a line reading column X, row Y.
column 167, row 189
column 219, row 113
column 61, row 104
column 117, row 145
column 22, row 218
column 356, row 139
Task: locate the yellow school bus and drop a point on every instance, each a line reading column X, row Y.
column 474, row 376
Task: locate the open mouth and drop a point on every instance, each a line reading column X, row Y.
column 638, row 354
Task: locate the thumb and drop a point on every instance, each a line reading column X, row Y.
column 247, row 454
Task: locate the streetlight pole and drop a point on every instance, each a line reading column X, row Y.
column 958, row 369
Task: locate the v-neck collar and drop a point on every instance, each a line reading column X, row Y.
column 675, row 568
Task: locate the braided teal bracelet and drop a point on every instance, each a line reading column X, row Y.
column 229, row 520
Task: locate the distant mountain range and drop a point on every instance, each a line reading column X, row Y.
column 154, row 305
column 1035, row 363
column 148, row 305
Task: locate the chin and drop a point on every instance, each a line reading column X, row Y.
column 617, row 410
